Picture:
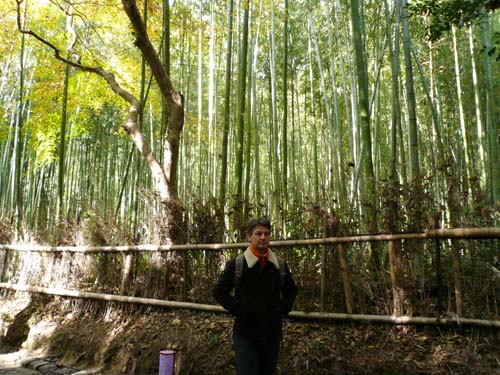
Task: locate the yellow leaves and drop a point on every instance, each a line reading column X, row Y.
column 44, row 137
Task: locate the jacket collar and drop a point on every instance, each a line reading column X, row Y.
column 252, row 259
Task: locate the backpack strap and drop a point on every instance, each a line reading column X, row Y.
column 282, row 264
column 239, row 268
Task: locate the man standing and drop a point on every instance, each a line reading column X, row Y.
column 264, row 292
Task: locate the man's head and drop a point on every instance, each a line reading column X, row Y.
column 259, row 233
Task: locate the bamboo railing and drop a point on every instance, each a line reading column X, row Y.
column 455, row 233
column 387, row 319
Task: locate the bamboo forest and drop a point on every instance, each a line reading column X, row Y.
column 138, row 137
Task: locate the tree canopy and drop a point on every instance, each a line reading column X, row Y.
column 313, row 108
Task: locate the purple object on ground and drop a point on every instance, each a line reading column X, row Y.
column 167, row 362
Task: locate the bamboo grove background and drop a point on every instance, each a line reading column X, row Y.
column 294, row 110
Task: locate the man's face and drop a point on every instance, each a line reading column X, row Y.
column 259, row 238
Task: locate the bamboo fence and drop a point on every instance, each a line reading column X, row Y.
column 454, row 233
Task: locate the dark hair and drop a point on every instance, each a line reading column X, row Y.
column 264, row 221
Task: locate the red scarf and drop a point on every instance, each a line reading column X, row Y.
column 262, row 257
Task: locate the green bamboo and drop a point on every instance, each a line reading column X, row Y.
column 369, row 193
column 16, row 188
column 242, row 79
column 284, row 127
column 315, row 179
column 62, row 144
column 491, row 128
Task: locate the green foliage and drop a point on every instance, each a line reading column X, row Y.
column 495, row 45
column 44, row 127
column 4, row 127
column 445, row 14
column 103, row 172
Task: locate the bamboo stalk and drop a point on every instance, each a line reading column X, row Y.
column 398, row 320
column 466, row 233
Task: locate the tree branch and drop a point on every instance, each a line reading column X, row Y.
column 144, row 44
column 131, row 125
column 174, row 99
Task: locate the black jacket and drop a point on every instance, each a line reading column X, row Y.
column 259, row 301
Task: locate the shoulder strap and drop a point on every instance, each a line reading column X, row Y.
column 239, row 268
column 282, row 263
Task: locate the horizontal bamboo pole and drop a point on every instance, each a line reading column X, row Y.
column 384, row 319
column 398, row 320
column 465, row 233
column 122, row 249
column 111, row 297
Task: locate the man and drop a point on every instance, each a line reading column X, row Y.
column 264, row 292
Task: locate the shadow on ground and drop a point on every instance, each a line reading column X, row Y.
column 127, row 339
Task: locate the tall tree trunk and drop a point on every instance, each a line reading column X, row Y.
column 211, row 159
column 491, row 127
column 400, row 300
column 412, row 118
column 326, row 98
column 225, row 121
column 415, row 194
column 315, row 171
column 276, row 194
column 165, row 176
column 165, row 58
column 284, row 128
column 16, row 189
column 369, row 193
column 395, row 107
column 477, row 107
column 467, row 170
column 254, row 123
column 166, row 179
column 248, row 132
column 62, row 144
column 201, row 149
column 340, row 174
column 242, row 79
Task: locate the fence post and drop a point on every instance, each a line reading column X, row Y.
column 401, row 302
column 346, row 278
column 185, row 275
column 439, row 276
column 457, row 276
column 3, row 262
column 331, row 227
column 127, row 273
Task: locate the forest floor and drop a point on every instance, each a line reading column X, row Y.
column 117, row 339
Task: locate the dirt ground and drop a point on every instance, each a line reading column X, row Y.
column 126, row 339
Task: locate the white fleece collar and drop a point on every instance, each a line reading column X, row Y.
column 252, row 259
